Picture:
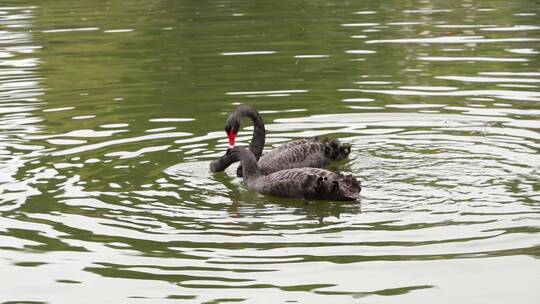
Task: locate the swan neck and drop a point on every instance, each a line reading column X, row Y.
column 250, row 168
column 259, row 133
column 222, row 163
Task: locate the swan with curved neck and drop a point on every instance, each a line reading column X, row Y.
column 306, row 183
column 300, row 153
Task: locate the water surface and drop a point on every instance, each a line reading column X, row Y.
column 110, row 113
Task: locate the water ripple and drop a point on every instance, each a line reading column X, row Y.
column 454, row 39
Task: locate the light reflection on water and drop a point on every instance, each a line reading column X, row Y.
column 108, row 126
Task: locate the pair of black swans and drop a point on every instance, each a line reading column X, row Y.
column 291, row 170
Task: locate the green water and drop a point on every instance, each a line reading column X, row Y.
column 110, row 113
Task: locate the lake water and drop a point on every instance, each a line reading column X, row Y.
column 110, row 113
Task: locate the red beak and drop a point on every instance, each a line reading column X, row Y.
column 232, row 138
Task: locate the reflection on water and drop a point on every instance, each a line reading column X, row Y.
column 111, row 113
column 19, row 100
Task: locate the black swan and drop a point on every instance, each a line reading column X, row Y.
column 297, row 154
column 307, row 183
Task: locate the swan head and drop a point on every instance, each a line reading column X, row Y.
column 231, row 128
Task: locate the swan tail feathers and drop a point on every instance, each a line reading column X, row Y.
column 336, row 150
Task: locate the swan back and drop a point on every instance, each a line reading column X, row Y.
column 303, row 153
column 308, row 183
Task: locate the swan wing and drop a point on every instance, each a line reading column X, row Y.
column 303, row 153
column 295, row 183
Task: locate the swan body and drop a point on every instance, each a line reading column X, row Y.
column 306, row 183
column 314, row 152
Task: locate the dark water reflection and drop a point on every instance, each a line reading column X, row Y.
column 111, row 112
